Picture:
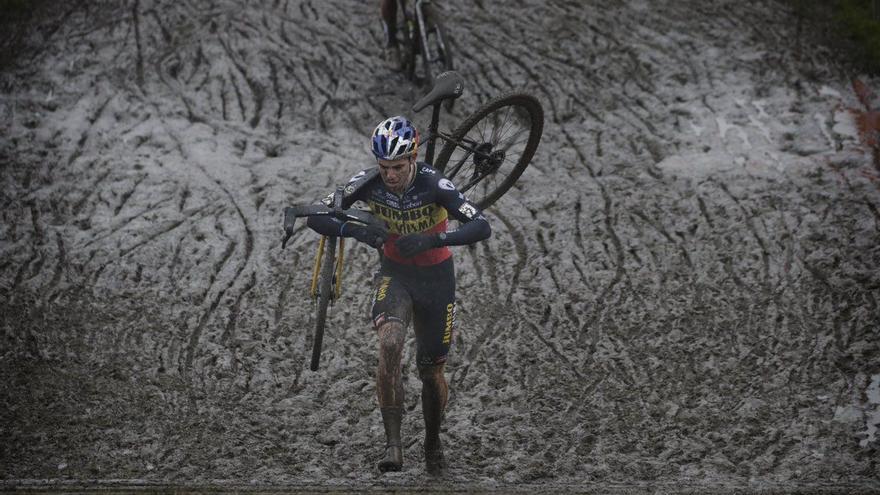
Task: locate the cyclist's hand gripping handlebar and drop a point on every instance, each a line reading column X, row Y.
column 291, row 213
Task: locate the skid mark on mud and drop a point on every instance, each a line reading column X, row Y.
column 537, row 331
column 127, row 194
column 618, row 249
column 229, row 331
column 521, row 254
column 217, row 268
column 139, row 58
column 91, row 191
column 153, row 236
column 60, row 264
column 666, row 235
column 246, row 257
column 257, row 91
column 750, row 223
column 80, row 145
column 284, row 297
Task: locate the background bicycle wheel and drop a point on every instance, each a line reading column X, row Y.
column 680, row 292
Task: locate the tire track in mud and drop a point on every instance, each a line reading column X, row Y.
column 257, row 91
column 498, row 319
column 118, row 226
column 36, row 254
column 536, row 331
column 619, row 270
column 195, row 334
column 521, row 254
column 765, row 256
column 80, row 145
column 139, row 55
column 127, row 194
column 283, row 297
column 609, row 216
column 48, row 292
column 638, row 212
column 229, row 331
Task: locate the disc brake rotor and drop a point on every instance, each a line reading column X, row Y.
column 487, row 161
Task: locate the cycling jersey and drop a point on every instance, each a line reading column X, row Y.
column 424, row 207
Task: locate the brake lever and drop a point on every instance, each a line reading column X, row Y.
column 289, row 222
column 337, row 203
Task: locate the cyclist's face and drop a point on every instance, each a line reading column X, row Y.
column 395, row 173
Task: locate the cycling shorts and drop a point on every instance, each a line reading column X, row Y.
column 423, row 294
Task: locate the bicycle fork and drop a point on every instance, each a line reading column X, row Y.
column 337, row 276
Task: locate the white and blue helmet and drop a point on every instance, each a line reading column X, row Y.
column 395, row 138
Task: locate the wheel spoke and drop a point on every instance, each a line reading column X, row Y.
column 471, row 183
column 524, row 122
column 509, row 142
column 454, row 171
column 500, row 143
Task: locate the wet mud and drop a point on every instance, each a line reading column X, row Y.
column 680, row 293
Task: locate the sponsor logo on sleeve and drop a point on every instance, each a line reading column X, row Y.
column 446, row 184
column 357, row 176
column 468, row 210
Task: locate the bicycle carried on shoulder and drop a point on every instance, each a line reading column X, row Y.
column 486, row 154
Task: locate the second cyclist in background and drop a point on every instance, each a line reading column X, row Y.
column 388, row 9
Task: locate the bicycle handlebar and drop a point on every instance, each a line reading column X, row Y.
column 291, row 213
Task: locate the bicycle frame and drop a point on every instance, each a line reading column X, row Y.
column 433, row 133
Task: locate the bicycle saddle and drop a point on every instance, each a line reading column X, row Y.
column 447, row 85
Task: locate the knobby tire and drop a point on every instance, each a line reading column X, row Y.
column 518, row 102
column 325, row 288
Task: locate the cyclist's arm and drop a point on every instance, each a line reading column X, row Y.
column 474, row 226
column 325, row 225
column 469, row 232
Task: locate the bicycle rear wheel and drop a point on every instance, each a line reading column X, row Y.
column 491, row 148
column 325, row 294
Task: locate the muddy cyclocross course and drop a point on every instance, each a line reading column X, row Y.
column 681, row 291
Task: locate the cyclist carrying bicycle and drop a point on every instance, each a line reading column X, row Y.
column 416, row 278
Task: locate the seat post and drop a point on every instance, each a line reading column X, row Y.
column 432, row 133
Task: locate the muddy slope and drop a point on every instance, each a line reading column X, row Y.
column 682, row 289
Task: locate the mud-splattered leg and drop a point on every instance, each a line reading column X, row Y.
column 434, row 395
column 389, row 388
